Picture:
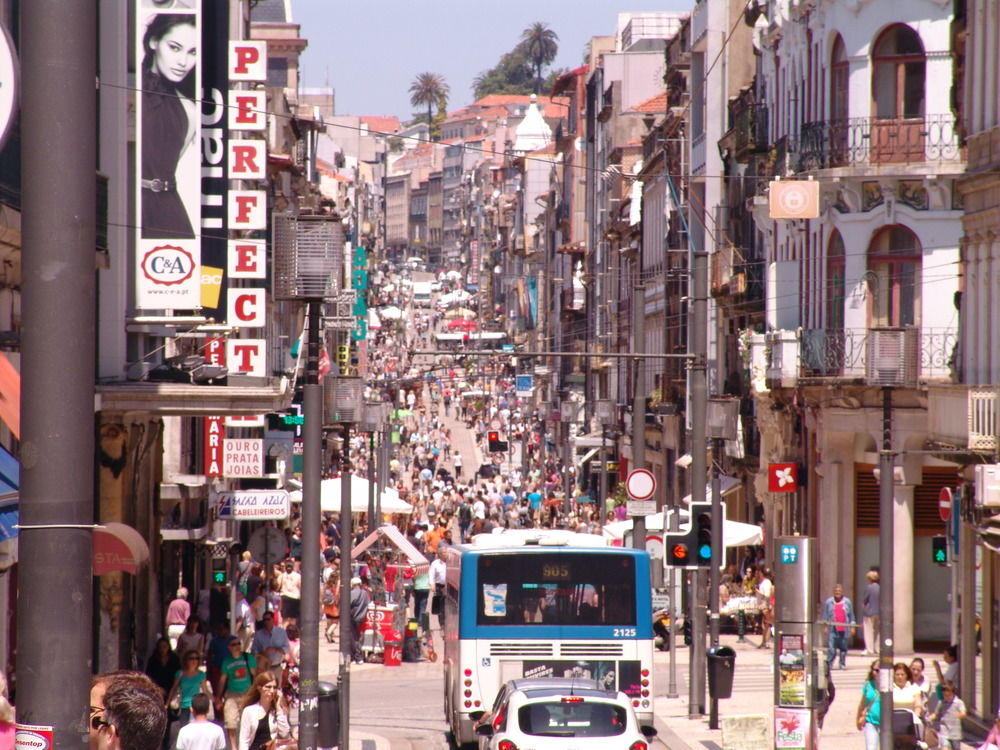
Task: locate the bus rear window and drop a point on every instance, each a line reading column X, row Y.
column 549, row 588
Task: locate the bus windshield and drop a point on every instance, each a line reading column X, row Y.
column 556, row 588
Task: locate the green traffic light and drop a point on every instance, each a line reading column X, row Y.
column 705, row 552
column 939, row 556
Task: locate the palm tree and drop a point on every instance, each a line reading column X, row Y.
column 541, row 45
column 428, row 89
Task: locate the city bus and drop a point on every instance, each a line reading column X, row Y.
column 544, row 602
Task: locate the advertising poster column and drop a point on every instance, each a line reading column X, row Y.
column 168, row 163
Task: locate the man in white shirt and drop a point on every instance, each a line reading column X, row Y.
column 200, row 733
column 436, row 574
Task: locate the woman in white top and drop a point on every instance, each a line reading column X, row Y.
column 263, row 715
column 904, row 693
column 920, row 679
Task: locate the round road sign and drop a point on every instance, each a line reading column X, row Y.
column 640, row 484
column 945, row 502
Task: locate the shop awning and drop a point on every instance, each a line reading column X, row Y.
column 10, row 395
column 117, row 546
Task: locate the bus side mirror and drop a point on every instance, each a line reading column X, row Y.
column 484, row 730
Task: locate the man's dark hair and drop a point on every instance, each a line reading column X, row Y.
column 199, row 704
column 138, row 716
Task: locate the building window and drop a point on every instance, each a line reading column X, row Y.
column 899, row 74
column 894, row 277
column 839, row 74
column 835, row 295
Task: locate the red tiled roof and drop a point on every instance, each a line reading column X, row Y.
column 656, row 103
column 381, row 123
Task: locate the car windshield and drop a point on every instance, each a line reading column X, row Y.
column 582, row 719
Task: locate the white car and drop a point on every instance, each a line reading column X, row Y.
column 558, row 716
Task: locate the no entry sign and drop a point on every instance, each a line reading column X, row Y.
column 945, row 504
column 640, row 484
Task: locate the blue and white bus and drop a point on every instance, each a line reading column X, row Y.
column 538, row 603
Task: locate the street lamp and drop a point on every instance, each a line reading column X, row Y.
column 604, row 413
column 721, row 422
column 343, row 406
column 308, row 267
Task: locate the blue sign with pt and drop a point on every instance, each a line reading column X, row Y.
column 789, row 553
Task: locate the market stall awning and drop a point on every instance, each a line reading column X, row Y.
column 395, row 536
column 330, row 497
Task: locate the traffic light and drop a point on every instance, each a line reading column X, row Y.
column 939, row 549
column 219, row 571
column 679, row 550
column 703, row 534
column 343, row 355
column 496, row 445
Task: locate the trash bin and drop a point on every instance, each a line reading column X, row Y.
column 329, row 714
column 721, row 663
column 411, row 641
column 393, row 653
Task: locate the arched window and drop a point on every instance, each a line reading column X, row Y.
column 835, row 284
column 839, row 73
column 894, row 256
column 899, row 74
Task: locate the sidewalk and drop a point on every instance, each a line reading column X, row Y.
column 753, row 695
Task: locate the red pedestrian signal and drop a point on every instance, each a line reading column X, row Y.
column 679, row 555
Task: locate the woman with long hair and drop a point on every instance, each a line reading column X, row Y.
column 169, row 115
column 869, row 715
column 163, row 665
column 263, row 715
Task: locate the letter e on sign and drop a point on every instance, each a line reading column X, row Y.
column 247, row 110
column 247, row 60
column 246, row 259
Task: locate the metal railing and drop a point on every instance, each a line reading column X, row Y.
column 841, row 352
column 868, row 140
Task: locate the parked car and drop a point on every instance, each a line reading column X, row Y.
column 561, row 713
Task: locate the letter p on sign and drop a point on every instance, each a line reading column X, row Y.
column 247, row 60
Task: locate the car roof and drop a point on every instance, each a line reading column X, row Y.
column 558, row 685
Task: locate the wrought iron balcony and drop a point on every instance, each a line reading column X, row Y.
column 859, row 141
column 842, row 354
column 750, row 126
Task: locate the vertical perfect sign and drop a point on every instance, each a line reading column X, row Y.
column 168, row 163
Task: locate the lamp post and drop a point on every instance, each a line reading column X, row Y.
column 308, row 266
column 343, row 406
column 720, row 425
column 567, row 412
column 604, row 412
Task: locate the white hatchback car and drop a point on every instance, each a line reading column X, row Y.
column 563, row 718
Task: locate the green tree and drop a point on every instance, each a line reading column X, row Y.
column 511, row 75
column 429, row 89
column 540, row 44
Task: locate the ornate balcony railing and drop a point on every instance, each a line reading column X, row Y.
column 841, row 353
column 866, row 140
column 750, row 124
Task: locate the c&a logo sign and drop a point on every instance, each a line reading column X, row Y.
column 168, row 265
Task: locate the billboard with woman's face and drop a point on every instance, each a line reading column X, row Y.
column 168, row 179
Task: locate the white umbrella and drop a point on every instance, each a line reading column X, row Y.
column 330, row 497
column 391, row 312
column 373, row 321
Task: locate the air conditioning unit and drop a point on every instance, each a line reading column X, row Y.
column 987, row 478
column 893, row 357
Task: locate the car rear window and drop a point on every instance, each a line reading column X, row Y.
column 583, row 719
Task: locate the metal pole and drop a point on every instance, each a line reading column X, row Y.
column 602, row 487
column 886, row 574
column 699, row 414
column 713, row 571
column 346, row 636
column 639, row 404
column 372, row 522
column 312, row 478
column 675, row 610
column 59, row 130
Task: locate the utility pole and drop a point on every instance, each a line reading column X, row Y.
column 886, row 549
column 698, row 345
column 639, row 403
column 58, row 131
column 312, row 478
column 346, row 636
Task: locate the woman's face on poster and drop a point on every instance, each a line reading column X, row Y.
column 176, row 52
